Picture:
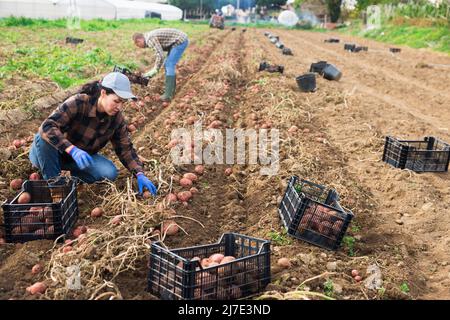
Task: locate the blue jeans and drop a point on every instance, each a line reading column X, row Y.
column 50, row 162
column 173, row 57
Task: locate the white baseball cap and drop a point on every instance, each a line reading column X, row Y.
column 119, row 83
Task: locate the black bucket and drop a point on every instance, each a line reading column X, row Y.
column 270, row 68
column 358, row 49
column 306, row 82
column 330, row 72
column 73, row 40
column 349, row 47
column 287, row 52
column 263, row 65
column 318, row 67
column 279, row 45
column 395, row 50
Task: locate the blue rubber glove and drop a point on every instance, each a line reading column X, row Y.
column 143, row 181
column 150, row 74
column 82, row 158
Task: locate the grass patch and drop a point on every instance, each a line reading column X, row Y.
column 64, row 66
column 36, row 48
column 433, row 37
column 349, row 244
column 87, row 25
column 279, row 238
column 355, row 228
column 404, row 288
column 328, row 288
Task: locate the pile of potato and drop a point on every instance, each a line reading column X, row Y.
column 216, row 277
column 39, row 221
column 321, row 219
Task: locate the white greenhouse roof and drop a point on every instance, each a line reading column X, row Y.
column 87, row 9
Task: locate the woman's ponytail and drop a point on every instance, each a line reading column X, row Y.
column 93, row 89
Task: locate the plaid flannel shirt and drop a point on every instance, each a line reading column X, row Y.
column 78, row 122
column 162, row 40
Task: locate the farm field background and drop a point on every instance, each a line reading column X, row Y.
column 401, row 219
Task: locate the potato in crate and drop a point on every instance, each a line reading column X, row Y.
column 235, row 267
column 312, row 213
column 42, row 210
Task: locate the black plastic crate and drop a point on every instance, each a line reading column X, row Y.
column 349, row 47
column 133, row 77
column 173, row 275
column 73, row 40
column 358, row 49
column 264, row 66
column 312, row 213
column 427, row 155
column 51, row 212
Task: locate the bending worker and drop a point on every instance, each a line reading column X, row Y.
column 71, row 136
column 171, row 40
column 217, row 21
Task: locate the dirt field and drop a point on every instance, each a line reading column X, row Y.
column 401, row 219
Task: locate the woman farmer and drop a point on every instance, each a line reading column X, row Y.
column 71, row 136
column 171, row 40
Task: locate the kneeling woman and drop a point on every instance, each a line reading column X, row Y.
column 71, row 136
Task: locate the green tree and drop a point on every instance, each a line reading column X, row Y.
column 207, row 5
column 298, row 3
column 268, row 3
column 334, row 9
column 184, row 4
column 363, row 4
column 221, row 3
